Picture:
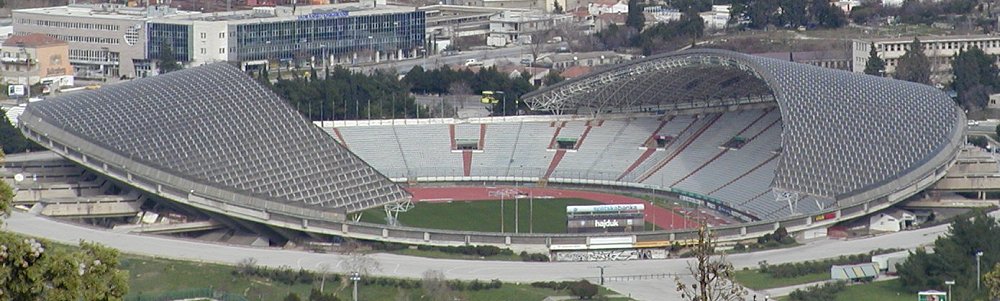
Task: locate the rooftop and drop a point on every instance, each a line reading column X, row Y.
column 287, row 13
column 936, row 38
column 107, row 11
column 575, row 71
column 33, row 40
column 218, row 127
column 869, row 147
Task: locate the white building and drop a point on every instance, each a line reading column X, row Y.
column 662, row 14
column 717, row 18
column 608, row 7
column 846, row 5
column 516, row 27
column 939, row 50
column 892, row 220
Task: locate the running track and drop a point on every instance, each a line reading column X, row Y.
column 655, row 214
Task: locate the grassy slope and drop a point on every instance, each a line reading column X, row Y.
column 549, row 215
column 150, row 276
column 883, row 291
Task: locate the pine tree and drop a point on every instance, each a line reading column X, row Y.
column 167, row 60
column 635, row 18
column 913, row 65
column 875, row 65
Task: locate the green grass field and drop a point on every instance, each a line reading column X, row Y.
column 549, row 215
column 758, row 281
column 890, row 290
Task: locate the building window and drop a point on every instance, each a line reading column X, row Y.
column 222, row 50
column 222, row 35
column 203, row 51
column 203, row 35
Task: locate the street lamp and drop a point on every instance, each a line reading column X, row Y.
column 503, row 106
column 371, row 48
column 949, row 283
column 978, row 277
column 355, row 276
column 326, row 57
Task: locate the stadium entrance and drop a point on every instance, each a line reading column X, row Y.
column 605, row 218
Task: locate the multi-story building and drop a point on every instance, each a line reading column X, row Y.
column 337, row 33
column 106, row 41
column 113, row 41
column 35, row 58
column 512, row 27
column 445, row 23
column 939, row 50
column 717, row 18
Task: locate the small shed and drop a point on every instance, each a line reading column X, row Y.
column 854, row 272
column 887, row 262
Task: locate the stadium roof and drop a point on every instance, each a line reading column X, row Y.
column 843, row 133
column 217, row 126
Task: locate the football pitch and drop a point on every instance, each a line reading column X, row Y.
column 538, row 216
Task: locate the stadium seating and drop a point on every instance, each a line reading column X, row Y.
column 694, row 161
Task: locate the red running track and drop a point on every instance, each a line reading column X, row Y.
column 660, row 216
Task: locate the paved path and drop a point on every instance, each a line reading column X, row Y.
column 413, row 267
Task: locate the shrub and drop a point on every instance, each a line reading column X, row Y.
column 827, row 291
column 538, row 257
column 583, row 289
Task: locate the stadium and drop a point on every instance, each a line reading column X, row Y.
column 768, row 143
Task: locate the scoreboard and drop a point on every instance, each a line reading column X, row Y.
column 605, row 218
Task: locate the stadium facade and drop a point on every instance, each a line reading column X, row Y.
column 213, row 137
column 772, row 143
column 846, row 138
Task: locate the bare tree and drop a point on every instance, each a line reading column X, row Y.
column 247, row 266
column 538, row 40
column 713, row 276
column 324, row 269
column 459, row 87
column 357, row 261
column 436, row 286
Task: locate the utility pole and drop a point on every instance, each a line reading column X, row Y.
column 602, row 273
column 531, row 211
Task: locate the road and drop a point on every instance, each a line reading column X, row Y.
column 513, row 54
column 413, row 267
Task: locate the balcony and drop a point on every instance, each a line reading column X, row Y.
column 18, row 60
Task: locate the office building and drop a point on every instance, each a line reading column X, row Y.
column 311, row 35
column 109, row 41
column 939, row 50
column 106, row 41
